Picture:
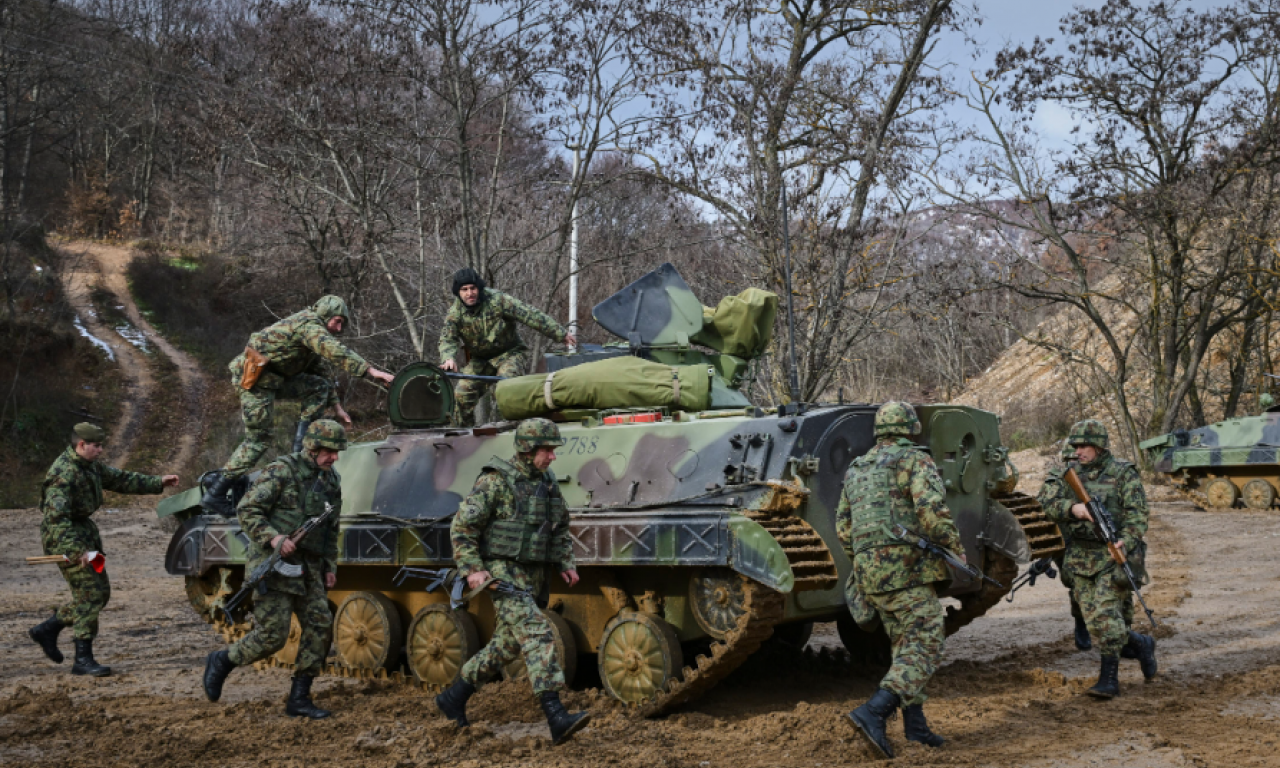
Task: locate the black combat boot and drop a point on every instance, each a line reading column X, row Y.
column 1108, row 685
column 563, row 725
column 870, row 719
column 1142, row 648
column 301, row 433
column 1083, row 642
column 215, row 499
column 85, row 665
column 300, row 703
column 216, row 668
column 916, row 728
column 453, row 702
column 45, row 634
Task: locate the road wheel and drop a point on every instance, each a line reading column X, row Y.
column 718, row 598
column 566, row 651
column 1221, row 492
column 289, row 653
column 367, row 632
column 440, row 641
column 204, row 592
column 1258, row 494
column 639, row 654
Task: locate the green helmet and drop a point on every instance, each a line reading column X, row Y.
column 1089, row 432
column 897, row 418
column 533, row 433
column 325, row 433
column 1068, row 451
column 329, row 307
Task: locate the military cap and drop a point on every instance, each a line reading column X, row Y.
column 897, row 418
column 1089, row 432
column 533, row 433
column 91, row 433
column 329, row 307
column 325, row 433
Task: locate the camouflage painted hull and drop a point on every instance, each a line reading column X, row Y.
column 1233, row 463
column 700, row 528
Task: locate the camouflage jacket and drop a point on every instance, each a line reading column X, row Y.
column 898, row 566
column 489, row 328
column 300, row 343
column 492, row 499
column 73, row 492
column 1116, row 484
column 289, row 491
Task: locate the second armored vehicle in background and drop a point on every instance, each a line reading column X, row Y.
column 1228, row 464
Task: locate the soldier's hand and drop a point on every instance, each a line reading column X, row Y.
column 283, row 544
column 169, row 481
column 83, row 560
column 330, row 579
column 571, row 339
column 450, row 366
column 342, row 414
column 476, row 579
column 1081, row 512
column 380, row 375
column 570, row 577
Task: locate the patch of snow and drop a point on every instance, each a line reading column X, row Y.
column 97, row 342
column 134, row 336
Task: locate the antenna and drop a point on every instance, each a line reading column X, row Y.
column 791, row 312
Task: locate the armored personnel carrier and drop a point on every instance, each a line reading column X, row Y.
column 701, row 524
column 1228, row 464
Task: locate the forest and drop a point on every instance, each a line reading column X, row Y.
column 266, row 153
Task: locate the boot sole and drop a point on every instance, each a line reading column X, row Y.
column 572, row 730
column 857, row 726
column 84, row 672
column 461, row 722
column 1101, row 694
column 304, row 714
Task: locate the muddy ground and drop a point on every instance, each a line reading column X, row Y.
column 1009, row 693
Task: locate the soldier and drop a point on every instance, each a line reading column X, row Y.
column 1082, row 639
column 892, row 581
column 285, row 361
column 72, row 492
column 514, row 527
column 1098, row 584
column 289, row 491
column 483, row 322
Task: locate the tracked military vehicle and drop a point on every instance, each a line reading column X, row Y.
column 1233, row 463
column 701, row 524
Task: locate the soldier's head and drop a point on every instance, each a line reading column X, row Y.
column 897, row 419
column 323, row 440
column 1089, row 439
column 537, row 439
column 332, row 311
column 468, row 286
column 87, row 439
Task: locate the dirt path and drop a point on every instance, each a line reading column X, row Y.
column 106, row 266
column 1010, row 692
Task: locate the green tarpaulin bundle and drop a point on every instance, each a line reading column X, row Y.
column 740, row 325
column 618, row 382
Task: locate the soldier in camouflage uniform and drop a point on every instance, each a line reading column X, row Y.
column 897, row 483
column 1098, row 584
column 514, row 527
column 296, row 348
column 73, row 489
column 483, row 322
column 291, row 490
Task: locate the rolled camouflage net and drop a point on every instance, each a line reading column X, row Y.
column 620, row 382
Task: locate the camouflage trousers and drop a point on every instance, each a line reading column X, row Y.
column 90, row 592
column 1068, row 581
column 257, row 406
column 270, row 633
column 520, row 629
column 466, row 392
column 1107, row 609
column 913, row 619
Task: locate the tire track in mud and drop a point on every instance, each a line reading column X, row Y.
column 106, row 266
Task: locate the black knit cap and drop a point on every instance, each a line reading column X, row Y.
column 467, row 276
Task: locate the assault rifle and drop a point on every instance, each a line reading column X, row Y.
column 1105, row 527
column 1042, row 567
column 456, row 585
column 474, row 377
column 929, row 545
column 276, row 562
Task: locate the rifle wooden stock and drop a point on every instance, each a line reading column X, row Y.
column 38, row 559
column 1082, row 494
